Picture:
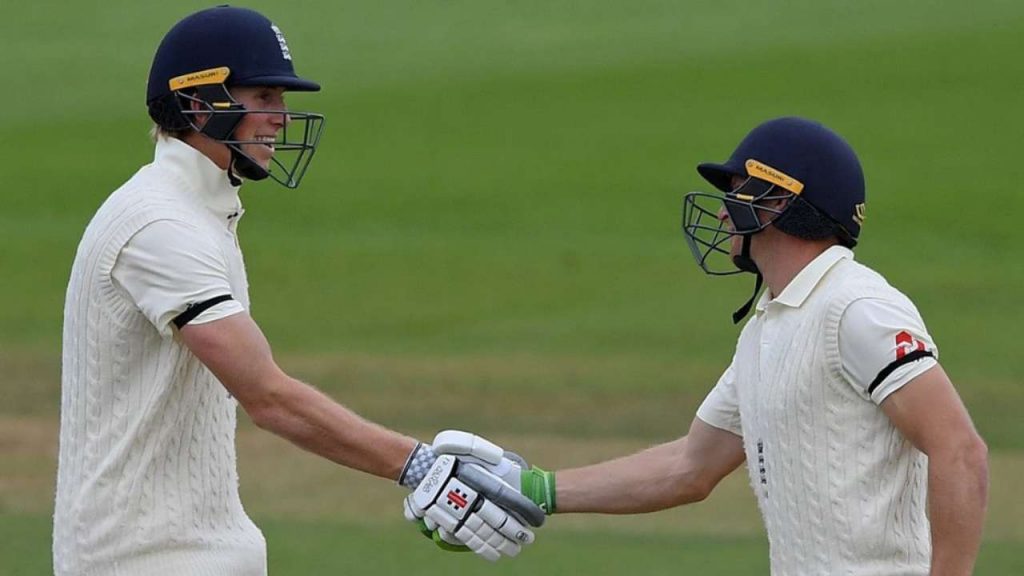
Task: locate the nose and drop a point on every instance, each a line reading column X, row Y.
column 723, row 214
column 281, row 120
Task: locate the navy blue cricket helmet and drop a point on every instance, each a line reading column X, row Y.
column 211, row 51
column 243, row 40
column 785, row 158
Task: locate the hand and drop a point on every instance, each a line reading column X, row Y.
column 536, row 484
column 455, row 514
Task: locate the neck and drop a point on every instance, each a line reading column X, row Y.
column 215, row 151
column 784, row 257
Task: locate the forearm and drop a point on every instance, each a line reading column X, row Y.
column 651, row 480
column 311, row 420
column 957, row 498
column 238, row 354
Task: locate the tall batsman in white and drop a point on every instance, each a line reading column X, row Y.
column 863, row 459
column 159, row 346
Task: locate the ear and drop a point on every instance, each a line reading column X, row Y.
column 198, row 119
column 780, row 204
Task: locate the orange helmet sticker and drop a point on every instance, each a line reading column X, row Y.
column 201, row 78
column 767, row 173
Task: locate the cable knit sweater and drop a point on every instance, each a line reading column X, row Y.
column 842, row 492
column 147, row 482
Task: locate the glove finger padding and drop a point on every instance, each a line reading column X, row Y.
column 478, row 541
column 477, row 533
column 449, row 538
column 472, row 448
column 503, row 523
column 491, row 532
column 461, row 516
column 516, row 459
column 408, row 511
column 461, row 443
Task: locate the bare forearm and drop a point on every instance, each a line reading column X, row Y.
column 236, row 351
column 667, row 475
column 654, row 479
column 311, row 420
column 957, row 498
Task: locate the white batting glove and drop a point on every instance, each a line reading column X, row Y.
column 527, row 493
column 458, row 515
column 536, row 484
column 472, row 448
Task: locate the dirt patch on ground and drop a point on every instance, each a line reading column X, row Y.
column 569, row 396
column 28, row 463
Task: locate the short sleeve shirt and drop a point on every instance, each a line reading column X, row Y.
column 721, row 407
column 883, row 345
column 169, row 267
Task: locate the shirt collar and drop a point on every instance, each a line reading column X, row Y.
column 207, row 181
column 801, row 286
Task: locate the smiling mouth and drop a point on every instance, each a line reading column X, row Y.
column 267, row 141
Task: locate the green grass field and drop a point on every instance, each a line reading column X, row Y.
column 489, row 238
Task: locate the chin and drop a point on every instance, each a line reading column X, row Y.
column 259, row 154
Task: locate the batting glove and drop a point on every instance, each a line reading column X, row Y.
column 535, row 483
column 457, row 514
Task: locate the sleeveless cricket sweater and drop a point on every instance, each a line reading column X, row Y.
column 147, row 480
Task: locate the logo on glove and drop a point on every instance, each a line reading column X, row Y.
column 434, row 476
column 457, row 498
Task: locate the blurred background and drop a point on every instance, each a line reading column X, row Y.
column 489, row 238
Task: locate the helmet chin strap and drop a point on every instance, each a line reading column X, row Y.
column 244, row 167
column 745, row 263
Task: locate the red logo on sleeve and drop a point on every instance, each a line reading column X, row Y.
column 905, row 344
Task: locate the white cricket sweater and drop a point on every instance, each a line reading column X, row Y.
column 842, row 492
column 147, row 482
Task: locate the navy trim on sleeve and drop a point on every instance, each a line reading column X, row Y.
column 912, row 357
column 194, row 310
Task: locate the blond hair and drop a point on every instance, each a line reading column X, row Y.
column 157, row 132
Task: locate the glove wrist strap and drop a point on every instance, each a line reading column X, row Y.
column 539, row 485
column 416, row 466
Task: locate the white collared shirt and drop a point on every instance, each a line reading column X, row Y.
column 841, row 491
column 874, row 331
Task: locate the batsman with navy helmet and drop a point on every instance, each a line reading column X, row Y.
column 159, row 348
column 863, row 458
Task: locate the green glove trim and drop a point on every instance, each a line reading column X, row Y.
column 421, row 525
column 539, row 485
column 448, row 546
